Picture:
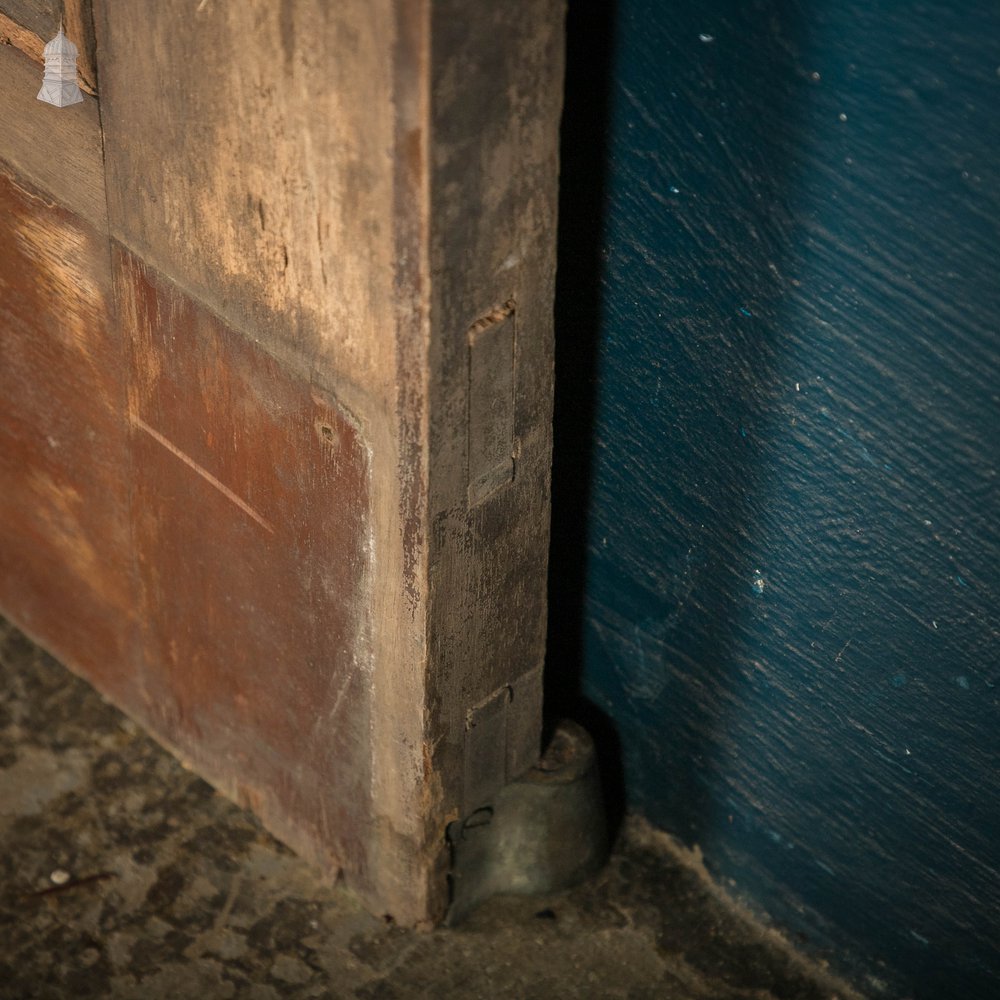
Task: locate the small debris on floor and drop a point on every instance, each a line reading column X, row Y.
column 163, row 889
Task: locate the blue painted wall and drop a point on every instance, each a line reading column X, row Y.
column 776, row 562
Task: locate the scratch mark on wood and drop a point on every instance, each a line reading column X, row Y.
column 205, row 474
column 339, row 698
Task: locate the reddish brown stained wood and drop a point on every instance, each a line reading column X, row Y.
column 192, row 536
column 65, row 558
column 251, row 524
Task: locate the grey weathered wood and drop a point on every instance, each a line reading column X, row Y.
column 496, row 101
column 39, row 16
column 58, row 149
column 29, row 24
column 491, row 402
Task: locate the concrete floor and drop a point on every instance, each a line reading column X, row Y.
column 122, row 875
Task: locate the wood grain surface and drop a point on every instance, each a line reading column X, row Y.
column 65, row 542
column 56, row 149
column 496, row 101
column 264, row 185
column 253, row 166
column 187, row 526
column 321, row 612
column 250, row 517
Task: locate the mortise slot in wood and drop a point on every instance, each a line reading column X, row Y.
column 491, row 402
column 497, row 315
column 501, row 738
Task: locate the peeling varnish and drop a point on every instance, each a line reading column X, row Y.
column 204, row 473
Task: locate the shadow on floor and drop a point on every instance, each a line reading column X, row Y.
column 123, row 875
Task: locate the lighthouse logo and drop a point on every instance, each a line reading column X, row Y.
column 59, row 85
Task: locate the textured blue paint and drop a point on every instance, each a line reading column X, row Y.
column 792, row 603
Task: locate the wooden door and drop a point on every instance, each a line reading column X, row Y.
column 275, row 394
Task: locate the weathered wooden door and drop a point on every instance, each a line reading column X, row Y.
column 275, row 392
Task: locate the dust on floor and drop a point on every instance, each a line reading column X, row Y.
column 122, row 875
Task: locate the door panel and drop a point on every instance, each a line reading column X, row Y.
column 250, row 514
column 238, row 300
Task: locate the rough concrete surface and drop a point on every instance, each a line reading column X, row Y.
column 122, row 875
